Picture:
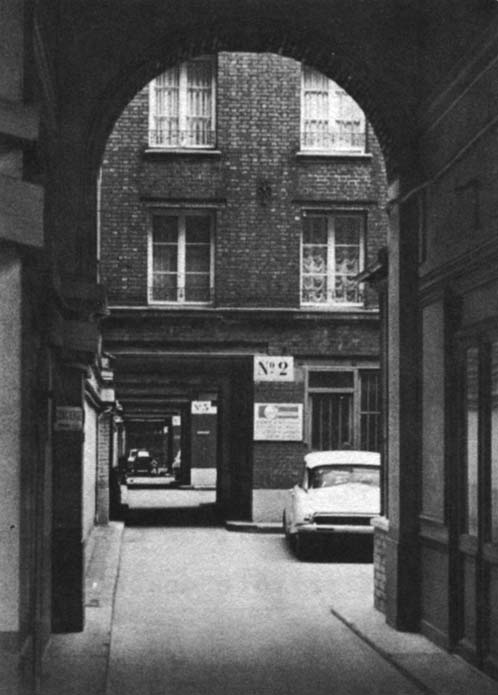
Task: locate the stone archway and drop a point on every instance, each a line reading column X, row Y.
column 109, row 57
column 394, row 57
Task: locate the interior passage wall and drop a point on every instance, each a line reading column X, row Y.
column 459, row 289
column 89, row 469
column 10, row 440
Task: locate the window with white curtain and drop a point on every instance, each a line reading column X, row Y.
column 330, row 119
column 182, row 106
column 332, row 255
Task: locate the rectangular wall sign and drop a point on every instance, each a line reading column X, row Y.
column 278, row 422
column 203, row 408
column 273, row 368
column 68, row 418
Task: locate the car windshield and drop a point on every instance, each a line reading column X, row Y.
column 142, row 460
column 329, row 476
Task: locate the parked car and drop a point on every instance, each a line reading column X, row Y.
column 142, row 465
column 339, row 494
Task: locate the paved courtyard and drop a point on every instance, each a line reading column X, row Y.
column 200, row 611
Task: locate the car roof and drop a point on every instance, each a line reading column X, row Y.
column 142, row 453
column 341, row 456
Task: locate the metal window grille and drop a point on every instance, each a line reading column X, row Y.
column 331, row 420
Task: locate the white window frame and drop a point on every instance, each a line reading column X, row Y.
column 331, row 216
column 331, row 116
column 182, row 108
column 182, row 214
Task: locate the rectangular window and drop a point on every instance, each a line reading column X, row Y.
column 344, row 409
column 332, row 257
column 182, row 106
column 330, row 119
column 181, row 257
column 370, row 410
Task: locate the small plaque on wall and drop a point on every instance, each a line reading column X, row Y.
column 278, row 422
column 203, row 408
column 68, row 418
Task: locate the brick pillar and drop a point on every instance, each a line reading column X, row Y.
column 403, row 424
column 67, row 541
column 104, row 453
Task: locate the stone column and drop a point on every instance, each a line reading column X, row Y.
column 403, row 416
column 67, row 541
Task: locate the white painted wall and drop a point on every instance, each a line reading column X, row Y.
column 10, row 437
column 203, row 477
column 89, row 470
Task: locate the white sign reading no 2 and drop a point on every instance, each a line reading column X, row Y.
column 273, row 368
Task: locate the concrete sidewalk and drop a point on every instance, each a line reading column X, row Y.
column 76, row 664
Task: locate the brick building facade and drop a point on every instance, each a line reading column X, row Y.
column 271, row 191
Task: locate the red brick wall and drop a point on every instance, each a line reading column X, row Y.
column 259, row 184
column 277, row 464
column 380, row 569
column 260, row 181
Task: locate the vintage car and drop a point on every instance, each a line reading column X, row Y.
column 339, row 494
column 142, row 465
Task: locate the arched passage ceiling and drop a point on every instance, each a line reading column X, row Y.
column 391, row 55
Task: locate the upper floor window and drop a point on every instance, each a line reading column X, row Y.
column 182, row 106
column 331, row 121
column 331, row 257
column 181, row 257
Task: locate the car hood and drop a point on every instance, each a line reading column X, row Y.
column 345, row 499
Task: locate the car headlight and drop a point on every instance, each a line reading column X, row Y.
column 307, row 517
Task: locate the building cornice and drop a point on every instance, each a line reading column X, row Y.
column 146, row 311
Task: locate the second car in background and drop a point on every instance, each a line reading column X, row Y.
column 141, row 465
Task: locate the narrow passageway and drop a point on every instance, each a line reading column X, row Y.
column 202, row 611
